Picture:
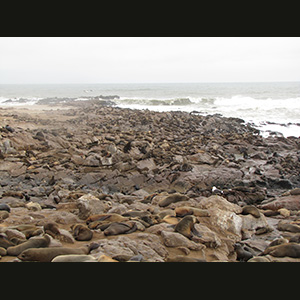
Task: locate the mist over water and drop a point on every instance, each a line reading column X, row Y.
column 272, row 106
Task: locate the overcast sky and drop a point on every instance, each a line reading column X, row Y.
column 148, row 59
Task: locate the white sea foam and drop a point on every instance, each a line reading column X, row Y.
column 270, row 106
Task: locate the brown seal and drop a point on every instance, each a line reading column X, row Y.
column 5, row 242
column 242, row 253
column 172, row 199
column 34, row 242
column 282, row 226
column 47, row 254
column 183, row 211
column 104, row 218
column 51, row 228
column 116, row 228
column 287, row 249
column 252, row 210
column 81, row 232
column 186, row 227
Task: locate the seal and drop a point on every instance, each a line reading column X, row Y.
column 186, row 227
column 105, row 218
column 4, row 206
column 5, row 242
column 116, row 228
column 47, row 254
column 287, row 249
column 51, row 228
column 35, row 242
column 242, row 254
column 295, row 238
column 183, row 211
column 252, row 210
column 282, row 226
column 180, row 258
column 74, row 258
column 81, row 232
column 172, row 199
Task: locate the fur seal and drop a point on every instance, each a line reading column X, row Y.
column 5, row 242
column 183, row 211
column 51, row 228
column 180, row 258
column 4, row 206
column 295, row 238
column 35, row 242
column 252, row 210
column 116, row 228
column 47, row 254
column 172, row 199
column 81, row 232
column 74, row 258
column 287, row 249
column 242, row 253
column 105, row 218
column 186, row 227
column 282, row 226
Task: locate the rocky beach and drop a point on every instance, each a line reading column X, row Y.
column 88, row 181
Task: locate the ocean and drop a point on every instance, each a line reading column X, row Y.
column 270, row 106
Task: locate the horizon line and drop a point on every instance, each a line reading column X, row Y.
column 190, row 82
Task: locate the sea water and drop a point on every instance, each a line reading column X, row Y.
column 270, row 106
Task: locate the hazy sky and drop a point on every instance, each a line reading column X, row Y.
column 148, row 59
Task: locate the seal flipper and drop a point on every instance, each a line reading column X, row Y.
column 196, row 232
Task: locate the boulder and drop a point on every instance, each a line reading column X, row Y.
column 90, row 205
column 175, row 239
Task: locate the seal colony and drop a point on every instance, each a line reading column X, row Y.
column 91, row 183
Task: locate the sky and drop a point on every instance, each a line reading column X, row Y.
column 25, row 60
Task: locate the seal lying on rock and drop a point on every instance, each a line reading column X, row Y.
column 74, row 258
column 252, row 210
column 287, row 249
column 35, row 242
column 47, row 254
column 172, row 199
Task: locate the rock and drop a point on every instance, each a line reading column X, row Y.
column 90, row 205
column 34, row 206
column 175, row 239
column 148, row 245
column 221, row 203
column 284, row 212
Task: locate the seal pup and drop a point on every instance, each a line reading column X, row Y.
column 47, row 254
column 81, row 232
column 242, row 254
column 34, row 242
column 186, row 227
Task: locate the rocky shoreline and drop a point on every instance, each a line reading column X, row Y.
column 133, row 185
